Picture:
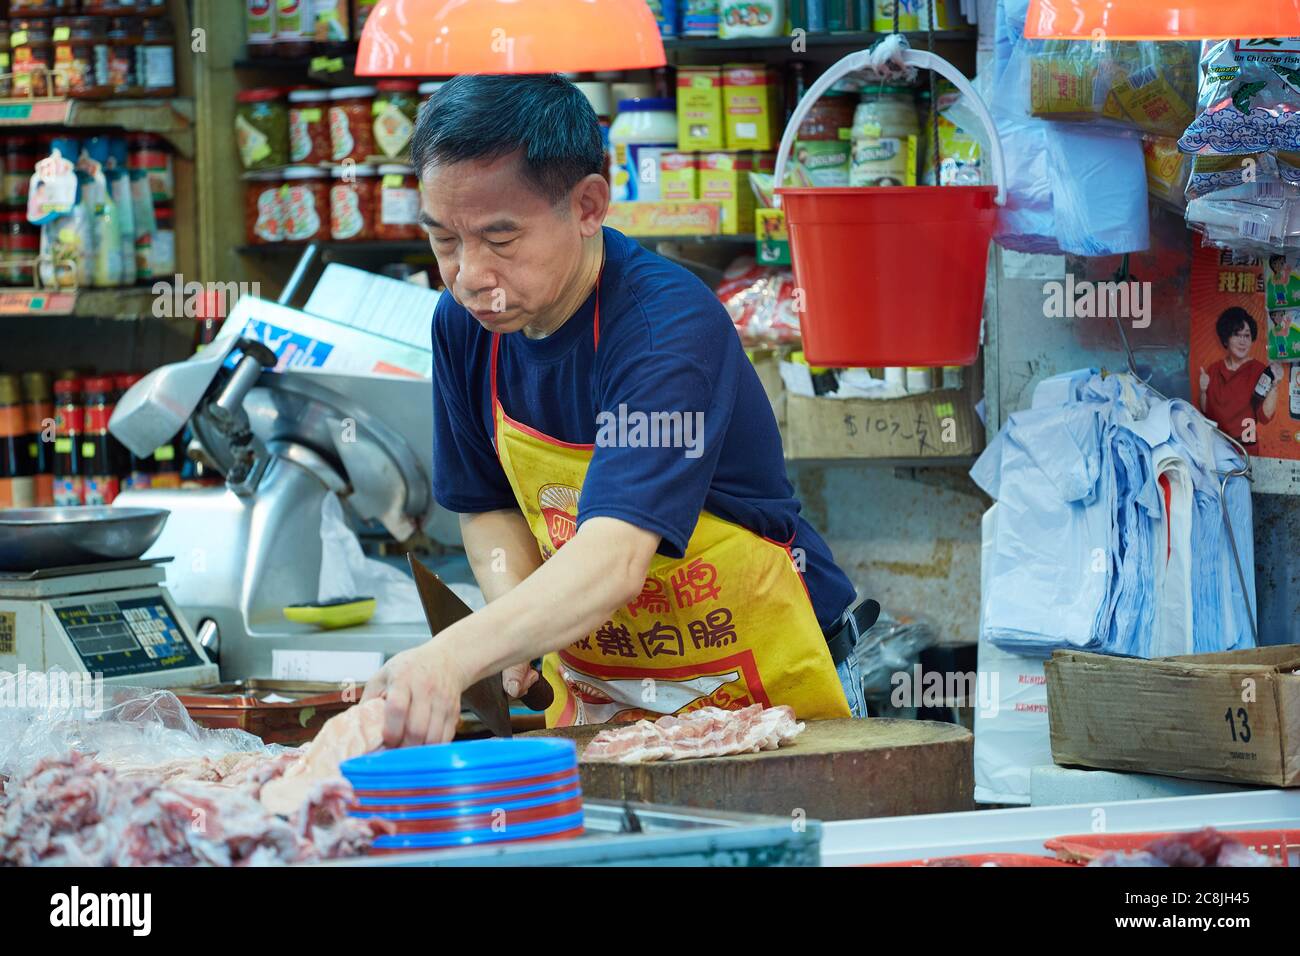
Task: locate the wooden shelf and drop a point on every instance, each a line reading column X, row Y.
column 859, row 39
column 171, row 118
column 136, row 302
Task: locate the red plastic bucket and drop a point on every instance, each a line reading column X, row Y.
column 891, row 275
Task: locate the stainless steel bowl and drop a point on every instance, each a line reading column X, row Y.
column 35, row 538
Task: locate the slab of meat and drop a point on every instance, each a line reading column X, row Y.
column 707, row 732
column 78, row 812
column 1206, row 847
column 358, row 730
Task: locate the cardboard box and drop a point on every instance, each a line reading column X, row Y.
column 939, row 424
column 699, row 108
column 666, row 218
column 1233, row 717
column 724, row 178
column 679, row 176
column 750, row 106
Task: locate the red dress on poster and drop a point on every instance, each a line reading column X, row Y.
column 1230, row 399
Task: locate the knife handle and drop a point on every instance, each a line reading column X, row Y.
column 540, row 696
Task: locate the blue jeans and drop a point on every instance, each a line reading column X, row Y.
column 851, row 677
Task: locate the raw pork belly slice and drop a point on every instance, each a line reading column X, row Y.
column 358, row 730
column 707, row 732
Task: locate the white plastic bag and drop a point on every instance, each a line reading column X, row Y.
column 1011, row 738
column 346, row 572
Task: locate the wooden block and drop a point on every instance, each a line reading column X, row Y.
column 835, row 770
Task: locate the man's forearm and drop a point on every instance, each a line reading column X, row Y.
column 568, row 597
column 501, row 550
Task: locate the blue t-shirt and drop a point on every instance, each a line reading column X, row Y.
column 667, row 346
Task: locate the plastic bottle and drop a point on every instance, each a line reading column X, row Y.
column 119, row 184
column 643, row 130
column 107, row 269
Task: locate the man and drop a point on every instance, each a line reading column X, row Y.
column 609, row 448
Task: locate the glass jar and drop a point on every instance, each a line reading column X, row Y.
column 351, row 133
column 74, row 56
column 6, row 61
column 262, row 128
column 263, row 215
column 309, row 132
column 259, row 28
column 352, row 204
column 33, row 58
column 305, row 204
column 823, row 147
column 162, row 252
column 427, row 89
column 397, row 204
column 155, row 63
column 396, row 104
column 20, row 244
column 361, row 10
column 886, row 138
column 294, row 28
column 20, row 164
column 124, row 35
column 41, row 8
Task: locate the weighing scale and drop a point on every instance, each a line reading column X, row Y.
column 113, row 619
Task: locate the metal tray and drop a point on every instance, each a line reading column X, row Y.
column 241, row 704
column 642, row 834
column 32, row 538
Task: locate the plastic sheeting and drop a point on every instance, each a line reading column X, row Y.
column 126, row 728
column 1071, row 187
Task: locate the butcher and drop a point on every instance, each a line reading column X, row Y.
column 608, row 447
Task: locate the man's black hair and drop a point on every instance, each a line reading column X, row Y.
column 1230, row 324
column 545, row 119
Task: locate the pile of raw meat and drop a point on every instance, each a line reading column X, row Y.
column 140, row 784
column 75, row 811
column 707, row 732
column 1206, row 847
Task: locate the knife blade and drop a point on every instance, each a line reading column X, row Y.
column 442, row 608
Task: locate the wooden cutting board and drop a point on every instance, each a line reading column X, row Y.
column 835, row 770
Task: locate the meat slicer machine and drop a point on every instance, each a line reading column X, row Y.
column 283, row 440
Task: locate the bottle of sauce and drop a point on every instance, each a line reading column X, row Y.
column 69, row 417
column 101, row 454
column 166, row 465
column 39, row 409
column 17, row 483
column 156, row 58
column 259, row 28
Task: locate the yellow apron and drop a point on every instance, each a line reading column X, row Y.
column 728, row 625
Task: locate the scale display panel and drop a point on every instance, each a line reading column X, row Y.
column 131, row 636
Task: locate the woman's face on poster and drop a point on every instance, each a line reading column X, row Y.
column 1239, row 345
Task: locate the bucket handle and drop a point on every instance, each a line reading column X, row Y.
column 921, row 60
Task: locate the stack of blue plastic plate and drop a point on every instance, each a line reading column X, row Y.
column 470, row 793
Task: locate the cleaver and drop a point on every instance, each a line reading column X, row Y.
column 487, row 698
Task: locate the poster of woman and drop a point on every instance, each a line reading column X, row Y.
column 1237, row 378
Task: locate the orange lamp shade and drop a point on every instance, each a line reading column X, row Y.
column 1162, row 19
column 446, row 37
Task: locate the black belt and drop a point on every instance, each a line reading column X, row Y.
column 842, row 636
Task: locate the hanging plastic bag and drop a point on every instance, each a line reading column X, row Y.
column 346, row 572
column 1055, row 171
